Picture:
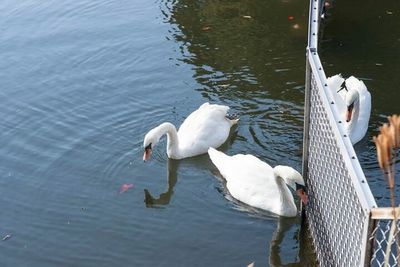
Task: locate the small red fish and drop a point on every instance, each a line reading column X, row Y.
column 290, row 18
column 125, row 187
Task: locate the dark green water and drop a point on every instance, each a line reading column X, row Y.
column 361, row 38
column 83, row 81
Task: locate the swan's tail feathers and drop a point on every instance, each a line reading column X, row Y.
column 217, row 157
column 233, row 118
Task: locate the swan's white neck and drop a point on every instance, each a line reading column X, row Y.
column 286, row 197
column 352, row 124
column 172, row 138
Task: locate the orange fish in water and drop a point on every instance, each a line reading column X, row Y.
column 125, row 187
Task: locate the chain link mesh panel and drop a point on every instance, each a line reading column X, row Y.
column 336, row 218
column 380, row 237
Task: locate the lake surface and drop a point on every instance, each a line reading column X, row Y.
column 83, row 81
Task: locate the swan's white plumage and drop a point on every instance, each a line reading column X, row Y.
column 255, row 183
column 358, row 126
column 208, row 126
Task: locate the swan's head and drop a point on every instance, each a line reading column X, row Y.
column 352, row 98
column 293, row 179
column 150, row 141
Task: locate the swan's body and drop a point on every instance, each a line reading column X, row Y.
column 208, row 126
column 353, row 102
column 257, row 184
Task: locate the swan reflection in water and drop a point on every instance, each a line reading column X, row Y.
column 200, row 162
column 288, row 230
column 284, row 225
column 164, row 198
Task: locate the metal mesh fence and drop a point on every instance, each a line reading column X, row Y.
column 380, row 240
column 336, row 218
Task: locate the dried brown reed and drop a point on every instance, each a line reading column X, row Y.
column 387, row 143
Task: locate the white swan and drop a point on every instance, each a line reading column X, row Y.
column 208, row 126
column 257, row 184
column 353, row 102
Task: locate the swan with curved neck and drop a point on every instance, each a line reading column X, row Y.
column 257, row 184
column 353, row 102
column 208, row 126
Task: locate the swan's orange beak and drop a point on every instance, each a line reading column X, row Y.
column 302, row 195
column 349, row 112
column 147, row 154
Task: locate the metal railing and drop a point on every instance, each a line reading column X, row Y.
column 381, row 236
column 346, row 226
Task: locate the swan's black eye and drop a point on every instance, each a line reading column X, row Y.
column 300, row 186
column 350, row 107
column 148, row 147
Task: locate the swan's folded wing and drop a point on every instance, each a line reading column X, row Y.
column 249, row 180
column 207, row 126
